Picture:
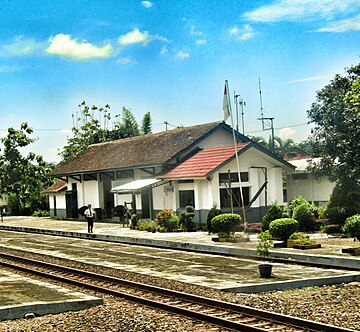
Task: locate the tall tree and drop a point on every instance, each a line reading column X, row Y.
column 335, row 137
column 92, row 126
column 146, row 124
column 22, row 177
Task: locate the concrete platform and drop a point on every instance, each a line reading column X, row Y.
column 192, row 241
column 20, row 296
column 114, row 248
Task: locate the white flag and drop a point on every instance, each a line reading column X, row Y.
column 226, row 103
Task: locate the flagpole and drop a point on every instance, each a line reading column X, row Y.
column 226, row 92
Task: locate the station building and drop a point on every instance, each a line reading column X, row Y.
column 194, row 165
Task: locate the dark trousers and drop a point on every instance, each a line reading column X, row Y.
column 90, row 221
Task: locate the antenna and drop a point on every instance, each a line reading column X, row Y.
column 267, row 123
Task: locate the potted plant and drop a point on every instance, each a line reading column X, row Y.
column 265, row 242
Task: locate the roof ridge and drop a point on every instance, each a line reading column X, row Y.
column 164, row 132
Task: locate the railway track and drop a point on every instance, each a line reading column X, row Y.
column 223, row 314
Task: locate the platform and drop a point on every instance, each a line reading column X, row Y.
column 21, row 296
column 112, row 246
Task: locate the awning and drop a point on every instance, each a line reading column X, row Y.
column 134, row 186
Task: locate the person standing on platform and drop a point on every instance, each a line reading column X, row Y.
column 89, row 214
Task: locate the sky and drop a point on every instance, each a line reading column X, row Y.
column 170, row 58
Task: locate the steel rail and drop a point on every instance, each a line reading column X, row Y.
column 234, row 308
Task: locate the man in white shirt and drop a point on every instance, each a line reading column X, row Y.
column 89, row 214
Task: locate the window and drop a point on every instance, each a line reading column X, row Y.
column 186, row 197
column 129, row 173
column 234, row 177
column 225, row 197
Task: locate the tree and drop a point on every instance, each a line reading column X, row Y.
column 22, row 177
column 146, row 124
column 283, row 148
column 335, row 137
column 92, row 126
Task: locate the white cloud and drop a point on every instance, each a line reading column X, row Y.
column 294, row 10
column 201, row 42
column 20, row 46
column 163, row 50
column 195, row 32
column 125, row 61
column 146, row 4
column 135, row 37
column 287, row 133
column 183, row 54
column 67, row 47
column 325, row 77
column 243, row 33
column 343, row 25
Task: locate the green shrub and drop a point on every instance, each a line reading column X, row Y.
column 322, row 212
column 275, row 212
column 186, row 219
column 225, row 224
column 304, row 215
column 346, row 194
column 336, row 215
column 134, row 220
column 213, row 212
column 352, row 227
column 147, row 225
column 41, row 213
column 172, row 224
column 299, row 200
column 265, row 242
column 283, row 228
column 163, row 216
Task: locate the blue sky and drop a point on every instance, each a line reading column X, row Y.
column 170, row 58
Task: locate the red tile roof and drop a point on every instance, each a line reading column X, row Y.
column 203, row 162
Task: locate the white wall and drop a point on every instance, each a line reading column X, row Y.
column 313, row 189
column 60, row 200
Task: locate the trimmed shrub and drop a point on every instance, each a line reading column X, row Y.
column 275, row 212
column 299, row 200
column 352, row 227
column 186, row 219
column 134, row 220
column 304, row 215
column 283, row 228
column 213, row 212
column 226, row 224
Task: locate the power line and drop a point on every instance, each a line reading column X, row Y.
column 291, row 126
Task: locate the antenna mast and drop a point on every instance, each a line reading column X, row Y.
column 267, row 123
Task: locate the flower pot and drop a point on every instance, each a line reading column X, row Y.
column 265, row 270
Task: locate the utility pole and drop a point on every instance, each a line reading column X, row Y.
column 237, row 110
column 242, row 103
column 166, row 124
